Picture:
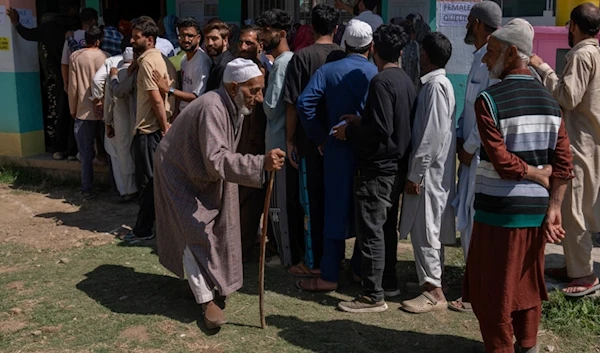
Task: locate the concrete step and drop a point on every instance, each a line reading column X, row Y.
column 62, row 170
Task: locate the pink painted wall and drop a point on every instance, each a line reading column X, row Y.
column 548, row 40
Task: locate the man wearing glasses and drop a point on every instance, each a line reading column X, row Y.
column 195, row 65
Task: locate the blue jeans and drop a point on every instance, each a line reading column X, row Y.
column 334, row 251
column 85, row 132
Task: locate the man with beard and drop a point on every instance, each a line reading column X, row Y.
column 154, row 109
column 343, row 86
column 304, row 154
column 197, row 172
column 249, row 45
column 286, row 218
column 216, row 34
column 578, row 92
column 195, row 65
column 521, row 182
column 427, row 213
column 484, row 19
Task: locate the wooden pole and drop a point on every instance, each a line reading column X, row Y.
column 263, row 248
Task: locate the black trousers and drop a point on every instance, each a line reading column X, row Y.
column 295, row 213
column 376, row 200
column 252, row 201
column 143, row 148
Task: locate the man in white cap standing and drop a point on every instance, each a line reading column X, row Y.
column 521, row 181
column 484, row 19
column 342, row 86
column 196, row 174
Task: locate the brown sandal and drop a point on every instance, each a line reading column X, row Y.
column 301, row 270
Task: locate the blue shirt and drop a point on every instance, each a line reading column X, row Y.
column 274, row 105
column 111, row 42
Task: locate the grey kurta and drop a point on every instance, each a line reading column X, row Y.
column 196, row 193
column 432, row 164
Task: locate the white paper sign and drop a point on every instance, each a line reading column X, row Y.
column 455, row 13
column 3, row 16
column 26, row 18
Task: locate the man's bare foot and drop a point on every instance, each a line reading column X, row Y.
column 316, row 285
column 437, row 293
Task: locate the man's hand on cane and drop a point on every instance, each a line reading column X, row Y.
column 274, row 160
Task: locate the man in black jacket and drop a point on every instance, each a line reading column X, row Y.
column 382, row 140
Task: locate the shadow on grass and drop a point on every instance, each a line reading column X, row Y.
column 124, row 291
column 349, row 336
column 277, row 280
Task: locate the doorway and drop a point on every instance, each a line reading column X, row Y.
column 131, row 9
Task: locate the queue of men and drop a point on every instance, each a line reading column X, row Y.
column 347, row 133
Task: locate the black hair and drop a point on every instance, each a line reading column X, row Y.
column 324, row 19
column 389, row 41
column 249, row 28
column 188, row 22
column 65, row 6
column 370, row 4
column 276, row 19
column 361, row 50
column 438, row 48
column 88, row 15
column 111, row 17
column 146, row 25
column 93, row 34
column 587, row 18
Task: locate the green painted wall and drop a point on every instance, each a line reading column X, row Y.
column 459, row 82
column 171, row 7
column 230, row 10
column 95, row 4
column 22, row 111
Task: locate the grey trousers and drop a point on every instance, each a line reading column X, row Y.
column 85, row 133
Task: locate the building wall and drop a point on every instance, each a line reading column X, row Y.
column 21, row 117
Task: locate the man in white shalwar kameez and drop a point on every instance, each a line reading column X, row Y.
column 485, row 17
column 119, row 123
column 427, row 213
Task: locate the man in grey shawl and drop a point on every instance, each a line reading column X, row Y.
column 196, row 174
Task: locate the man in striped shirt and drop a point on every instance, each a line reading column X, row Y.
column 520, row 185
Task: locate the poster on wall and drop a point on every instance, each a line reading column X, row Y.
column 454, row 13
column 2, row 14
column 403, row 8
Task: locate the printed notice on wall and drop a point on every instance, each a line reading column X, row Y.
column 455, row 13
column 3, row 17
column 26, row 18
column 4, row 44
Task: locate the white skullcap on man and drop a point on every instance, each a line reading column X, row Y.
column 358, row 34
column 240, row 70
column 519, row 33
column 128, row 54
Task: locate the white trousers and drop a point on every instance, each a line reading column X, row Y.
column 125, row 182
column 428, row 260
column 197, row 279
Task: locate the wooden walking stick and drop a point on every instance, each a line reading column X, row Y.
column 263, row 248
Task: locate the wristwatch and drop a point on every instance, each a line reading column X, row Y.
column 171, row 91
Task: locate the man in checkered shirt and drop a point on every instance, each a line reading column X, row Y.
column 111, row 42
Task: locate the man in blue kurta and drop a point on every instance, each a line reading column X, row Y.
column 344, row 86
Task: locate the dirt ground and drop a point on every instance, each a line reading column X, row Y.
column 60, row 220
column 67, row 285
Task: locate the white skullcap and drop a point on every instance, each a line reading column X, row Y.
column 519, row 33
column 358, row 34
column 240, row 70
column 128, row 54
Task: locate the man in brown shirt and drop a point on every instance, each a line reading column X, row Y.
column 83, row 65
column 154, row 111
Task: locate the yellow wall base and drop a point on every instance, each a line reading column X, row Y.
column 22, row 145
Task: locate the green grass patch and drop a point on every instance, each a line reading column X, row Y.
column 32, row 179
column 572, row 318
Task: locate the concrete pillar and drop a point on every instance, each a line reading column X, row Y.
column 21, row 115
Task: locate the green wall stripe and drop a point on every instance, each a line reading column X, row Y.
column 22, row 110
column 459, row 82
column 230, row 10
column 171, row 7
column 95, row 4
